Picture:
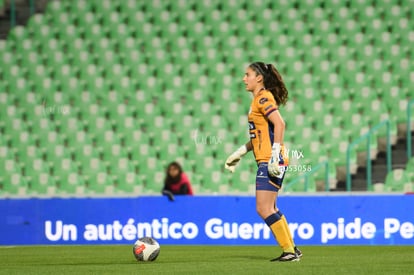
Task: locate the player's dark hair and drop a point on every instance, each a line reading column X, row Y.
column 272, row 81
column 170, row 179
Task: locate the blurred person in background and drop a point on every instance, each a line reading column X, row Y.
column 176, row 182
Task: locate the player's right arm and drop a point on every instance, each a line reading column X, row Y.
column 234, row 159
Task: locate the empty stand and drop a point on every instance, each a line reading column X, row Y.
column 97, row 97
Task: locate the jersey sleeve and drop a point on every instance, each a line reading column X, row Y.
column 266, row 104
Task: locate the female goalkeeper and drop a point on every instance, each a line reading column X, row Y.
column 266, row 127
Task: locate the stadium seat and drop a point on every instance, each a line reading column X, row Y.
column 128, row 182
column 42, row 185
column 301, row 185
column 11, row 180
column 398, row 181
column 409, row 168
column 149, row 74
column 14, row 183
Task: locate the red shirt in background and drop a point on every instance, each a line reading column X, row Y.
column 181, row 187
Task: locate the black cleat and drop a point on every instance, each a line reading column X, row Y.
column 298, row 252
column 286, row 257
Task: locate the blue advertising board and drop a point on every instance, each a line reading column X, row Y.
column 230, row 220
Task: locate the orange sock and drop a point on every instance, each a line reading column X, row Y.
column 283, row 218
column 282, row 236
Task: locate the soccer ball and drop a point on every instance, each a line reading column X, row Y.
column 146, row 249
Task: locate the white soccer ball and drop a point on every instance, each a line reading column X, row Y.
column 146, row 249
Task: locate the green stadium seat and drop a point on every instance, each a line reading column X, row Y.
column 70, row 184
column 119, row 166
column 33, row 166
column 13, row 126
column 9, row 164
column 136, row 15
column 78, row 138
column 55, row 7
column 98, row 183
column 359, row 125
column 132, row 139
column 19, row 85
column 77, row 52
column 210, row 181
column 409, row 168
column 398, row 109
column 14, row 183
column 18, row 34
column 78, row 56
column 243, row 180
column 8, row 59
column 12, row 71
column 36, row 72
column 54, row 153
column 128, row 182
column 105, row 137
column 62, row 21
column 30, row 57
column 24, row 145
column 83, row 152
column 130, row 55
column 300, row 185
column 154, row 180
column 60, row 64
column 5, row 153
column 42, row 184
column 112, row 154
column 398, row 181
column 124, row 125
column 337, row 153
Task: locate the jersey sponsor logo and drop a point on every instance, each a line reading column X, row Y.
column 251, row 125
column 263, row 100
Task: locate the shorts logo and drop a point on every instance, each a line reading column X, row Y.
column 261, row 175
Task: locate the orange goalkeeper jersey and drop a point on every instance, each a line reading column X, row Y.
column 260, row 128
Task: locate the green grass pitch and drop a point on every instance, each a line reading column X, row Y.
column 118, row 259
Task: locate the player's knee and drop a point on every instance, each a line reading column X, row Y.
column 264, row 211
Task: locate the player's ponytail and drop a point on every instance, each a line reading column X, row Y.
column 272, row 81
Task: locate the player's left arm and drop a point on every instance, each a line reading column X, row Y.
column 279, row 130
column 279, row 126
column 269, row 108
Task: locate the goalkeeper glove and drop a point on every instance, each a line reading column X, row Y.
column 234, row 158
column 273, row 165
